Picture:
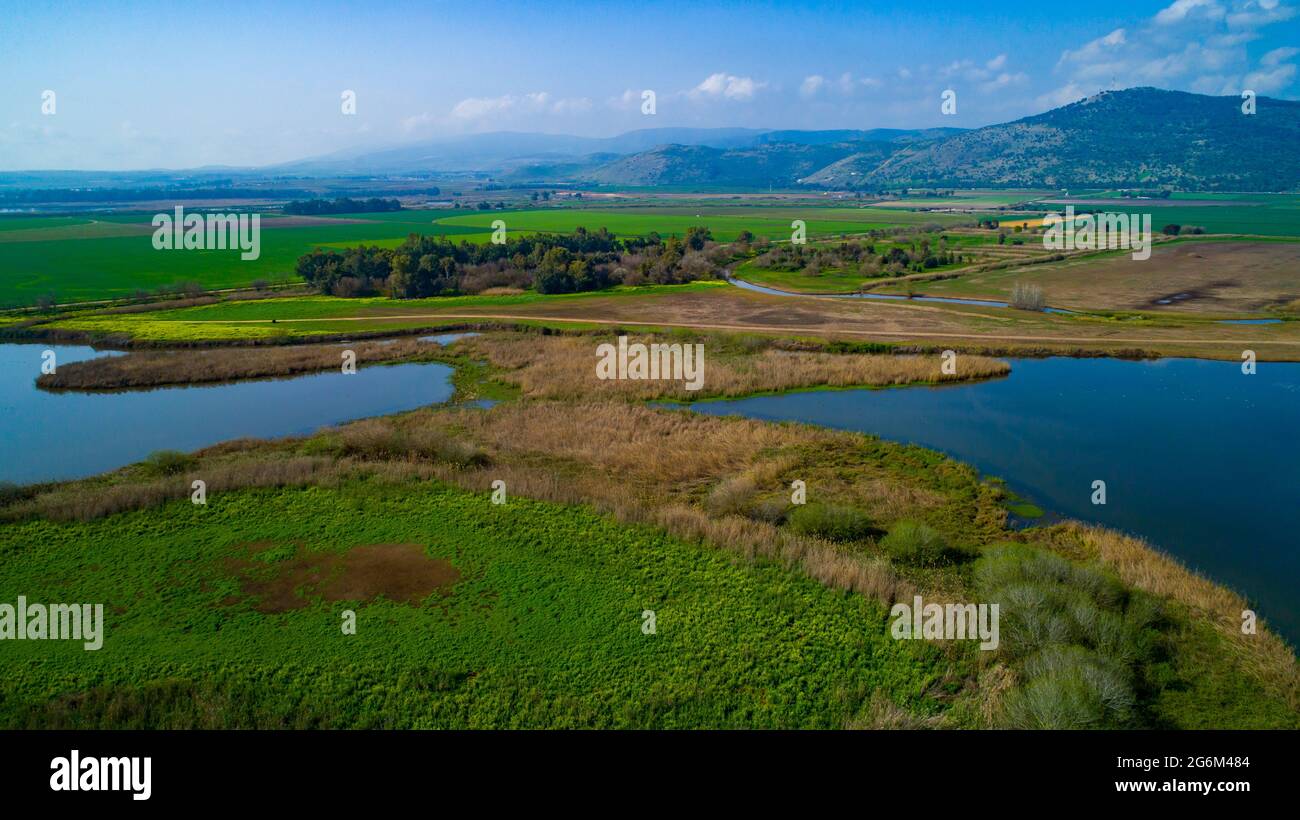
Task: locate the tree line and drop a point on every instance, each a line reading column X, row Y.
column 584, row 260
column 342, row 205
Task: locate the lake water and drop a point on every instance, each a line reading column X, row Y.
column 47, row 436
column 1198, row 458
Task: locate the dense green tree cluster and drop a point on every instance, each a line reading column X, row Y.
column 342, row 205
column 862, row 258
column 550, row 263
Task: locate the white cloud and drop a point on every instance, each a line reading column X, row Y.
column 417, row 122
column 572, row 105
column 1066, row 94
column 1257, row 13
column 474, row 108
column 811, row 85
column 536, row 102
column 1279, row 55
column 1097, row 49
column 997, row 63
column 1004, row 80
column 1270, row 80
column 626, row 101
column 726, row 86
column 1194, row 44
column 1180, row 10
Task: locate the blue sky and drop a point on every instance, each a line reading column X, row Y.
column 176, row 85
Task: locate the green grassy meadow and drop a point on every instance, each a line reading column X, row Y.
column 542, row 629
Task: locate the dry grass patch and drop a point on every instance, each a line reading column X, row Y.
column 564, row 367
column 164, row 367
column 88, row 500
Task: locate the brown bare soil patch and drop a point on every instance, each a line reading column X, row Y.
column 395, row 572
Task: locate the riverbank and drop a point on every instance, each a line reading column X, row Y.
column 146, row 369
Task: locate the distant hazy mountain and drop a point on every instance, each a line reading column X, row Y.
column 655, row 156
column 782, row 163
column 844, row 135
column 1140, row 136
column 1137, row 137
column 502, row 149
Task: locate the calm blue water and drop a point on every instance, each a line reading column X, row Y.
column 47, row 436
column 1198, row 458
column 448, row 338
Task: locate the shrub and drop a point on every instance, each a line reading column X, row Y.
column 10, row 492
column 916, row 544
column 1071, row 688
column 1027, row 297
column 832, row 522
column 771, row 510
column 731, row 495
column 1010, row 563
column 380, row 440
column 168, row 462
column 1081, row 636
column 326, row 445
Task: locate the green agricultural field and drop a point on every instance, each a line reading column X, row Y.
column 526, row 615
column 1253, row 214
column 968, row 199
column 725, row 223
column 75, row 261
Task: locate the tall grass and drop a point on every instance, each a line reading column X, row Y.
column 564, row 367
column 161, row 367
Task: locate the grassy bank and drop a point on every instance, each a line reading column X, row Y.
column 157, row 368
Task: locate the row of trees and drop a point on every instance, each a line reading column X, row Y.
column 550, row 263
column 342, row 205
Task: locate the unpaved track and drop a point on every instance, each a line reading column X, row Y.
column 784, row 329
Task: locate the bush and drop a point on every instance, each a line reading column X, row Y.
column 731, row 495
column 834, row 523
column 1071, row 688
column 916, row 544
column 771, row 510
column 326, row 445
column 1027, row 297
column 1081, row 635
column 169, row 462
column 10, row 492
column 377, row 439
column 1010, row 563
